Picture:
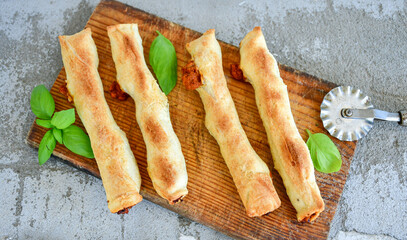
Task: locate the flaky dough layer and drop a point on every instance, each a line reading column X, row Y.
column 290, row 153
column 250, row 174
column 115, row 160
column 166, row 163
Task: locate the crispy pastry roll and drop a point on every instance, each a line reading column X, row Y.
column 166, row 163
column 250, row 174
column 290, row 153
column 115, row 160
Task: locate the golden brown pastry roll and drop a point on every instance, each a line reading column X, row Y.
column 250, row 174
column 115, row 160
column 290, row 153
column 166, row 163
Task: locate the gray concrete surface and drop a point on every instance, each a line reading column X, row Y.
column 359, row 43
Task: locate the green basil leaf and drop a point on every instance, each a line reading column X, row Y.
column 44, row 123
column 42, row 103
column 63, row 118
column 163, row 60
column 324, row 153
column 57, row 134
column 46, row 148
column 76, row 140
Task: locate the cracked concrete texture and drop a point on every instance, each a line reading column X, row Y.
column 359, row 43
column 359, row 236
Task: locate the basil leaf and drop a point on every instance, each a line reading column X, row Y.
column 77, row 141
column 163, row 59
column 57, row 134
column 42, row 103
column 63, row 118
column 46, row 148
column 44, row 123
column 324, row 153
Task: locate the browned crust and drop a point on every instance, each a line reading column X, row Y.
column 167, row 174
column 166, row 178
column 262, row 205
column 250, row 174
column 135, row 58
column 129, row 44
column 116, row 163
column 290, row 153
column 125, row 202
column 224, row 123
column 154, row 131
column 166, row 163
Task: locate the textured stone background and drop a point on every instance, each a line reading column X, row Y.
column 362, row 44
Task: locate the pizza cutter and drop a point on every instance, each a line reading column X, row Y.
column 348, row 114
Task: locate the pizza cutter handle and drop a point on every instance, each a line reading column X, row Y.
column 400, row 117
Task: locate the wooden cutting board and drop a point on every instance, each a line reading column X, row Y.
column 213, row 199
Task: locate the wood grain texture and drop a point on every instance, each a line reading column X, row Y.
column 213, row 199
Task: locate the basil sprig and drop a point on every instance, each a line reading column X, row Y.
column 60, row 124
column 42, row 103
column 77, row 141
column 63, row 119
column 324, row 153
column 44, row 123
column 57, row 134
column 46, row 148
column 163, row 60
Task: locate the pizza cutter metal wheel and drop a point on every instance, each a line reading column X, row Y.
column 348, row 114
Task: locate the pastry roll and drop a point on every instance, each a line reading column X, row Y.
column 251, row 175
column 290, row 153
column 166, row 163
column 115, row 160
